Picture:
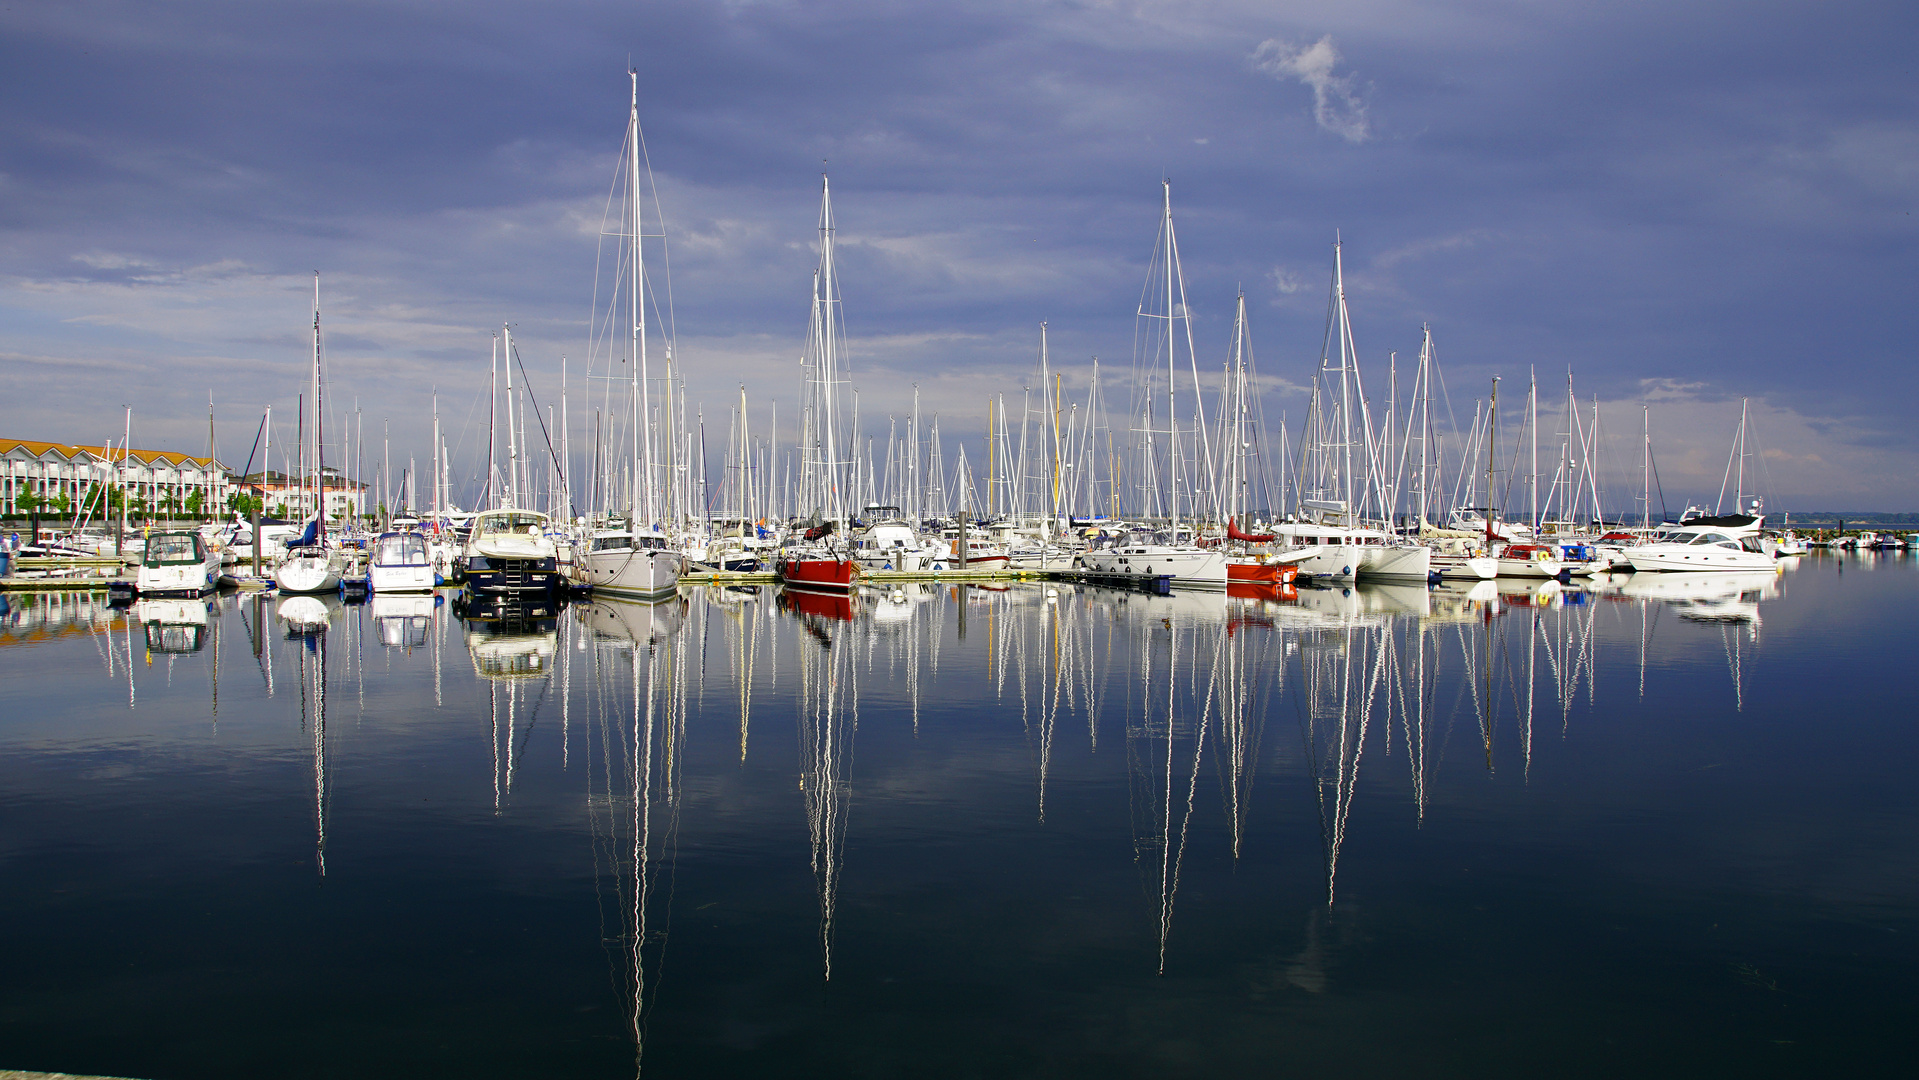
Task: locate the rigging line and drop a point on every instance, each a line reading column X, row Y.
column 255, row 450
column 1653, row 460
column 527, row 381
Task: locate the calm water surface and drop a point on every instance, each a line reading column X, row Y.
column 1664, row 825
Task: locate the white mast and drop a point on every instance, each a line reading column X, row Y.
column 566, row 449
column 1172, row 405
column 436, row 454
column 1532, row 423
column 319, row 417
column 512, row 442
column 644, row 503
column 1645, row 464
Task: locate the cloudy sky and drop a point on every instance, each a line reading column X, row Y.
column 1685, row 204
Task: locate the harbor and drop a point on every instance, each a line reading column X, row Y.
column 1128, row 541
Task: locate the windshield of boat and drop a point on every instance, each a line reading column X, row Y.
column 512, row 522
column 173, row 549
column 1715, row 538
column 400, row 550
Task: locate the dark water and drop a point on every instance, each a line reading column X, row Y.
column 1665, row 826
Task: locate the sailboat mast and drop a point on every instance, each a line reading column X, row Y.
column 319, row 415
column 1425, row 419
column 1645, row 465
column 1345, row 387
column 512, row 440
column 492, row 420
column 266, row 466
column 1532, row 406
column 642, row 405
column 1172, row 374
column 1738, row 495
column 1492, row 449
column 825, row 421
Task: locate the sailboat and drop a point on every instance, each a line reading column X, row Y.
column 1458, row 554
column 1249, row 558
column 818, row 561
column 1164, row 552
column 1337, row 486
column 635, row 558
column 310, row 566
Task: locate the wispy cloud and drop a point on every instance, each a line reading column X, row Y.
column 1458, row 241
column 1338, row 106
column 1286, row 281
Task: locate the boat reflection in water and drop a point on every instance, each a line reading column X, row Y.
column 510, row 636
column 810, row 604
column 1710, row 597
column 637, row 733
column 828, row 706
column 307, row 620
column 403, row 620
column 513, row 640
column 173, row 626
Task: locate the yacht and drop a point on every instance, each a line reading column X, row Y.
column 631, row 562
column 177, row 564
column 1697, row 548
column 1156, row 553
column 510, row 552
column 891, row 544
column 401, row 563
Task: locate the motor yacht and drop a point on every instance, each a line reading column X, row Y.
column 509, row 551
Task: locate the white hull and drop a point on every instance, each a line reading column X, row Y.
column 401, row 578
column 1698, row 558
column 1466, row 567
column 1408, row 564
column 193, row 579
column 1198, row 567
column 1324, row 562
column 631, row 572
column 1528, row 567
column 309, row 573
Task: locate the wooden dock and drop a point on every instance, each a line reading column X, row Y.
column 33, row 574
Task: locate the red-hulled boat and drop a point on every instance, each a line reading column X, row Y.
column 1257, row 573
column 822, row 572
column 1249, row 569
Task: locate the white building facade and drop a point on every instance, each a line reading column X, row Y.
column 161, row 480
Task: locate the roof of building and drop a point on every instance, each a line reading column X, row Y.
column 102, row 453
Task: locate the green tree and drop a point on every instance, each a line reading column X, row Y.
column 61, row 503
column 195, row 500
column 26, row 502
